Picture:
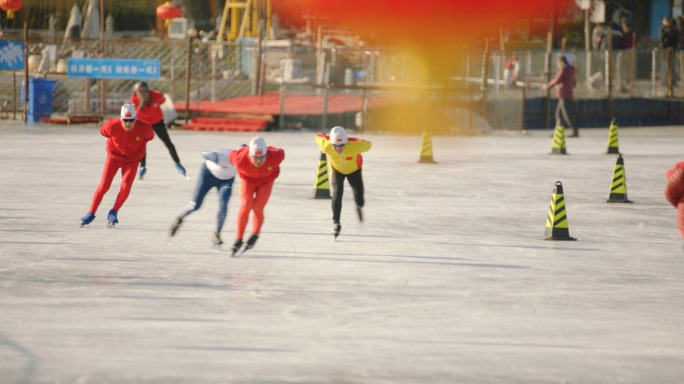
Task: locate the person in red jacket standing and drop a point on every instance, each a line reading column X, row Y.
column 674, row 192
column 127, row 139
column 258, row 166
column 147, row 104
column 565, row 82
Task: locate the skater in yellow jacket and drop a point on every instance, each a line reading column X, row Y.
column 345, row 160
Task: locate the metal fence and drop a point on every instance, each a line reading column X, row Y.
column 476, row 96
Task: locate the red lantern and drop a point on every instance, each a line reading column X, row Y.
column 167, row 12
column 11, row 6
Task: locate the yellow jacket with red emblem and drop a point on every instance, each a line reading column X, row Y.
column 350, row 159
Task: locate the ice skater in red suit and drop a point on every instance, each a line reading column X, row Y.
column 126, row 144
column 148, row 104
column 258, row 166
column 674, row 192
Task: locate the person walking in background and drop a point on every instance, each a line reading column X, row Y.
column 216, row 172
column 565, row 82
column 511, row 70
column 127, row 139
column 258, row 166
column 148, row 106
column 680, row 46
column 625, row 55
column 668, row 37
column 346, row 161
column 674, row 193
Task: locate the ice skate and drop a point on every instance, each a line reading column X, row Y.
column 359, row 211
column 236, row 246
column 87, row 219
column 250, row 243
column 141, row 172
column 176, row 226
column 112, row 219
column 181, row 170
column 336, row 229
column 216, row 239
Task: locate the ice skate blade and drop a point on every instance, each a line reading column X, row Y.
column 111, row 225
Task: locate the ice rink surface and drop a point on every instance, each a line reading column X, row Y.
column 448, row 279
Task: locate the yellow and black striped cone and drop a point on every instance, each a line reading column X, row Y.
column 557, row 219
column 322, row 184
column 613, row 147
column 618, row 188
column 558, row 144
column 426, row 149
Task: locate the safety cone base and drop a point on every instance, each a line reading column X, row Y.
column 560, row 238
column 322, row 194
column 558, row 234
column 618, row 200
column 428, row 160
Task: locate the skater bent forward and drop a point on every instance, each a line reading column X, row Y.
column 258, row 167
column 217, row 172
column 345, row 159
column 127, row 138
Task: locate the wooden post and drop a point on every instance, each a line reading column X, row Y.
column 26, row 71
column 549, row 48
column 188, row 73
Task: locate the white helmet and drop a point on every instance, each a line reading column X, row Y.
column 257, row 147
column 127, row 112
column 338, row 136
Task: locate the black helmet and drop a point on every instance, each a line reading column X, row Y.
column 141, row 87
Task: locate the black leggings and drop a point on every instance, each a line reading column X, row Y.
column 356, row 183
column 163, row 134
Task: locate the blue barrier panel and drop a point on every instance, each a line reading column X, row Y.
column 40, row 98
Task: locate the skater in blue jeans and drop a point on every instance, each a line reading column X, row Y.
column 217, row 172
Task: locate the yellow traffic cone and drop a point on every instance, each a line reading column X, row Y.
column 426, row 149
column 558, row 144
column 618, row 188
column 557, row 219
column 613, row 146
column 322, row 184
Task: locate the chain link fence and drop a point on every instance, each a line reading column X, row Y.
column 387, row 87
